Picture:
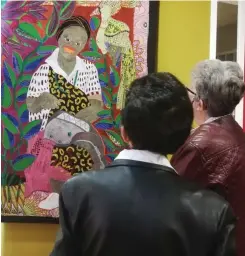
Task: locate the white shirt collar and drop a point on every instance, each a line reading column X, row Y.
column 52, row 61
column 211, row 119
column 144, row 156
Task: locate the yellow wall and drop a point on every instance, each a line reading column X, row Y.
column 183, row 36
column 183, row 40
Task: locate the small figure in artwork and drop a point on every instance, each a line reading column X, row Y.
column 113, row 37
column 66, row 82
column 68, row 146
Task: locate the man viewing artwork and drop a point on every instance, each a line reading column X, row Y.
column 139, row 205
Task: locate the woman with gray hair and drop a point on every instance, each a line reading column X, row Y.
column 214, row 154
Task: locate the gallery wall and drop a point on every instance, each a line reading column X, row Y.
column 183, row 40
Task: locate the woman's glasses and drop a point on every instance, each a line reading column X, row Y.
column 190, row 91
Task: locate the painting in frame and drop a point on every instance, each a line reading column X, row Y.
column 66, row 68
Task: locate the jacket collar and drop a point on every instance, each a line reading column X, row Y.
column 139, row 164
column 142, row 158
column 219, row 119
column 211, row 119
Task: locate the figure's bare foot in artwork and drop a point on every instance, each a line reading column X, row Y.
column 32, row 202
column 50, row 203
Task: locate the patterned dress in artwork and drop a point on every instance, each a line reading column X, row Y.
column 72, row 158
column 117, row 36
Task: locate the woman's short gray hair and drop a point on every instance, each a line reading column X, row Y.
column 219, row 84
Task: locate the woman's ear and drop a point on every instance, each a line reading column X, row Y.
column 200, row 105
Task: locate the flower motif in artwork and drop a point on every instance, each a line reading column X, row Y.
column 139, row 60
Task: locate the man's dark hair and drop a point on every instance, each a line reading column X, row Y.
column 158, row 113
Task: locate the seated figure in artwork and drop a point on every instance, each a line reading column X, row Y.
column 66, row 95
column 113, row 37
column 66, row 82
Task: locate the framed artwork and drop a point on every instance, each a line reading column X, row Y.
column 66, row 68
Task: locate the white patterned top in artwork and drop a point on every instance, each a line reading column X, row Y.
column 84, row 77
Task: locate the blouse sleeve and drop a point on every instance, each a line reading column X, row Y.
column 38, row 85
column 93, row 87
column 39, row 82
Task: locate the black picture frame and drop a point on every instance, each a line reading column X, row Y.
column 152, row 67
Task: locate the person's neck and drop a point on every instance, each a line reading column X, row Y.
column 66, row 65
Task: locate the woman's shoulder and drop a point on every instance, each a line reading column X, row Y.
column 209, row 138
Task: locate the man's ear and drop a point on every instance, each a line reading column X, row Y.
column 124, row 135
column 126, row 138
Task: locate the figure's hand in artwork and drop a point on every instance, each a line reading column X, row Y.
column 44, row 101
column 89, row 114
column 49, row 101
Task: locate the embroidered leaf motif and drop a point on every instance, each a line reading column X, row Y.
column 115, row 138
column 21, row 33
column 33, row 63
column 111, row 157
column 104, row 124
column 31, row 129
column 118, row 121
column 21, row 162
column 109, row 145
column 45, row 49
column 9, row 75
column 21, row 94
column 104, row 113
column 106, row 99
column 17, row 62
column 6, row 96
column 53, row 22
column 92, row 45
column 67, row 9
column 10, row 123
column 94, row 23
column 23, row 113
column 103, row 80
column 114, row 98
column 30, row 30
column 25, row 116
column 8, row 139
column 25, row 80
column 100, row 67
column 114, row 76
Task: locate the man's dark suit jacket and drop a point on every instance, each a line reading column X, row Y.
column 134, row 208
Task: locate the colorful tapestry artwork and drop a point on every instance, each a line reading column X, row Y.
column 66, row 68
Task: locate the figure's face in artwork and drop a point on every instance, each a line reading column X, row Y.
column 60, row 131
column 72, row 41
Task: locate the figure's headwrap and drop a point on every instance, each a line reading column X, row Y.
column 73, row 21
